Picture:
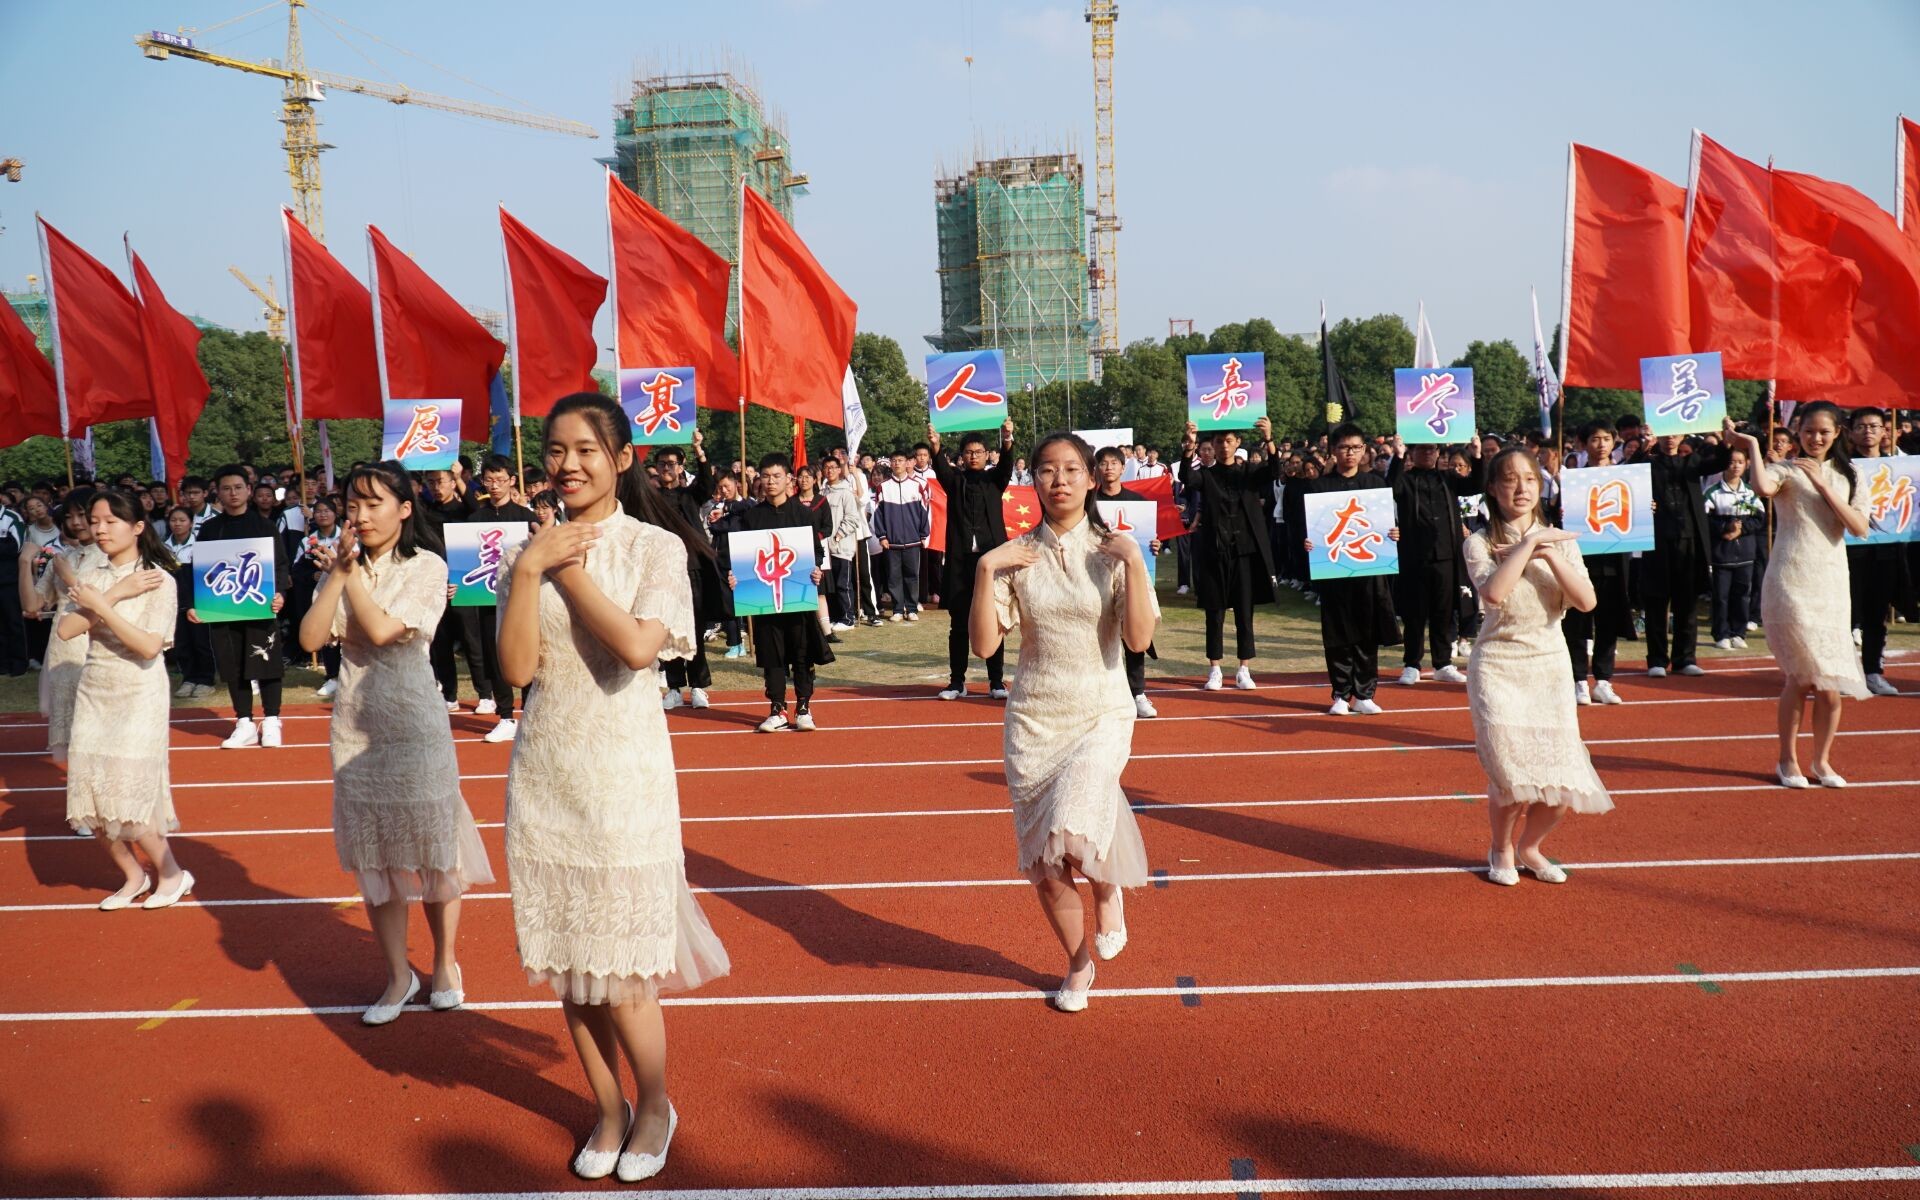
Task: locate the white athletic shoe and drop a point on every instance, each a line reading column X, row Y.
column 1463, row 648
column 504, row 730
column 700, row 698
column 327, row 690
column 998, row 692
column 913, row 616
column 1339, row 709
column 803, row 721
column 1213, row 682
column 270, row 732
column 1182, row 590
column 1723, row 643
column 1752, row 626
column 183, row 691
column 1692, row 669
column 1656, row 672
column 1450, row 674
column 671, row 700
column 453, row 706
column 1366, row 707
column 244, row 734
column 897, row 616
column 1143, row 707
column 1603, row 693
column 842, row 626
column 1409, row 676
column 1878, row 685
column 486, row 708
column 1580, row 693
column 1243, row 679
column 952, row 693
column 775, row 723
column 1739, row 643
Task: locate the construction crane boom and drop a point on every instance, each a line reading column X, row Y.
column 275, row 312
column 304, row 88
column 1103, row 273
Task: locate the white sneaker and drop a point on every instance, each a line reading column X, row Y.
column 1739, row 643
column 1143, row 707
column 952, row 693
column 1580, row 693
column 1723, row 643
column 1878, row 685
column 1213, row 680
column 503, row 731
column 913, row 616
column 1603, row 693
column 1409, row 676
column 896, row 617
column 1692, row 669
column 774, row 723
column 1366, row 707
column 1856, row 637
column 1339, row 709
column 803, row 721
column 842, row 626
column 486, row 708
column 699, row 697
column 453, row 706
column 270, row 732
column 1243, row 679
column 1182, row 590
column 327, row 690
column 1656, row 672
column 1463, row 649
column 671, row 700
column 244, row 734
column 184, row 690
column 1450, row 674
column 1752, row 626
column 998, row 693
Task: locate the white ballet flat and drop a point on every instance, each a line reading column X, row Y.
column 598, row 1164
column 1795, row 780
column 1109, row 945
column 1072, row 1000
column 453, row 997
column 383, row 1014
column 1504, row 876
column 168, row 899
column 120, row 899
column 634, row 1166
column 1829, row 779
column 1547, row 874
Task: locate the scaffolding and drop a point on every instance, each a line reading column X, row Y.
column 1013, row 266
column 32, row 307
column 684, row 142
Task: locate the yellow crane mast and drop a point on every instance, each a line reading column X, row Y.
column 275, row 312
column 304, row 88
column 1103, row 272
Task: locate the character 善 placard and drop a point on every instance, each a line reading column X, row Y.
column 1610, row 508
column 1351, row 534
column 1433, row 406
column 421, row 435
column 1683, row 393
column 1137, row 519
column 233, row 579
column 772, row 571
column 966, row 390
column 474, row 553
column 659, row 402
column 1226, row 391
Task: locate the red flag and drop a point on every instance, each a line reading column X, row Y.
column 173, row 368
column 551, row 302
column 1908, row 208
column 430, row 347
column 336, row 371
column 799, row 442
column 669, row 299
column 99, row 359
column 1764, row 293
column 796, row 325
column 29, row 393
column 1624, row 291
column 1166, row 514
column 1020, row 510
column 937, row 517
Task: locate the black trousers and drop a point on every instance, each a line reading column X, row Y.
column 959, row 608
column 1354, row 671
column 865, row 587
column 462, row 625
column 846, row 605
column 903, row 578
column 488, row 622
column 1685, row 610
column 1431, row 598
column 13, row 624
column 1183, row 561
column 1732, row 592
column 246, row 652
column 1578, row 627
column 1872, row 599
column 691, row 672
column 777, row 685
column 1136, row 661
column 1238, row 587
column 193, row 650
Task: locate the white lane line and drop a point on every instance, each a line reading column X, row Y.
column 1033, row 994
column 1198, row 877
column 1770, row 790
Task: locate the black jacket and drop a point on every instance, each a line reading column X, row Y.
column 1682, row 548
column 975, row 523
column 1232, row 524
column 1427, row 504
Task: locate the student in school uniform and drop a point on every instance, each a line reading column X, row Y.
column 785, row 645
column 1427, row 501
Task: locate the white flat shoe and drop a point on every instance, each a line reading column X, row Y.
column 168, row 899
column 1072, row 1000
column 1213, row 682
column 1829, row 779
column 1547, row 874
column 1796, row 780
column 120, row 899
column 1504, row 876
column 453, row 997
column 634, row 1166
column 1109, row 945
column 384, row 1014
column 598, row 1164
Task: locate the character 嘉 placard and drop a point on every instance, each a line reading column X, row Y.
column 772, row 571
column 1351, row 534
column 233, row 579
column 1889, row 490
column 966, row 390
column 1226, row 391
column 659, row 402
column 1137, row 519
column 1683, row 393
column 474, row 552
column 1433, row 406
column 421, row 435
column 1610, row 508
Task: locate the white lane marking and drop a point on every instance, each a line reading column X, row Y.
column 1771, row 790
column 1031, row 994
column 949, row 884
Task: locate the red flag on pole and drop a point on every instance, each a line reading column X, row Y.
column 551, row 302
column 669, row 298
column 1020, row 510
column 29, row 393
column 796, row 325
column 937, row 516
column 429, row 347
column 173, row 368
column 336, row 372
column 1166, row 514
column 1623, row 294
column 799, row 442
column 99, row 359
column 1907, row 210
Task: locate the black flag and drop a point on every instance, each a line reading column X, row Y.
column 1339, row 407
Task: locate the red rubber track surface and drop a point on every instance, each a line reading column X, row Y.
column 1297, row 849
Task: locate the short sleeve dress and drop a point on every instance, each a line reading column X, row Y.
column 60, row 669
column 1069, row 726
column 1526, row 727
column 400, row 824
column 117, row 779
column 1806, row 605
column 601, row 907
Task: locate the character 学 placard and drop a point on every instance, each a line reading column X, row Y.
column 1433, row 406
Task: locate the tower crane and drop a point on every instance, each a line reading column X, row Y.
column 275, row 312
column 1103, row 272
column 304, row 88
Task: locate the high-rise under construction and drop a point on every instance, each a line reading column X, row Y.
column 683, row 143
column 1013, row 266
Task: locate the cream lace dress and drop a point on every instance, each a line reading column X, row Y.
column 1526, row 726
column 1069, row 727
column 60, row 669
column 400, row 824
column 1805, row 604
column 117, row 778
column 601, row 907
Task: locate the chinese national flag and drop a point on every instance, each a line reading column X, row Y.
column 101, row 357
column 433, row 348
column 669, row 299
column 1764, row 292
column 336, row 372
column 1626, row 287
column 173, row 369
column 29, row 396
column 1908, row 210
column 551, row 302
column 1020, row 509
column 796, row 325
column 1159, row 489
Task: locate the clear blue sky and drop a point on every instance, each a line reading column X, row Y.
column 1270, row 155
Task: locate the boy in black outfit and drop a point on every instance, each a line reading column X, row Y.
column 247, row 652
column 494, row 505
column 975, row 525
column 790, row 643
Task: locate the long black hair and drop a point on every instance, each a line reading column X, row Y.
column 638, row 497
column 1840, row 454
column 153, row 552
column 391, row 477
column 1085, row 451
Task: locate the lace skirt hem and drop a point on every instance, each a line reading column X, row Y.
column 122, row 831
column 1590, row 800
column 1848, row 686
column 1123, row 861
column 698, row 958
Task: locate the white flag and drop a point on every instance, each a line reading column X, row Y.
column 83, row 452
column 1545, row 378
column 156, row 457
column 853, row 416
column 1426, row 355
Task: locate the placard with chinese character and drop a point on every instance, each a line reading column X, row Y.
column 772, row 571
column 1433, row 406
column 1226, row 391
column 966, row 390
column 1351, row 534
column 1611, row 508
column 233, row 579
column 1889, row 490
column 421, row 435
column 474, row 551
column 1683, row 393
column 1137, row 519
column 659, row 403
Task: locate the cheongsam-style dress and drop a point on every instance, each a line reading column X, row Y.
column 60, row 669
column 1806, row 604
column 117, row 779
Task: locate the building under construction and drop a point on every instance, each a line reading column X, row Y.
column 1013, row 266
column 683, row 143
column 32, row 307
